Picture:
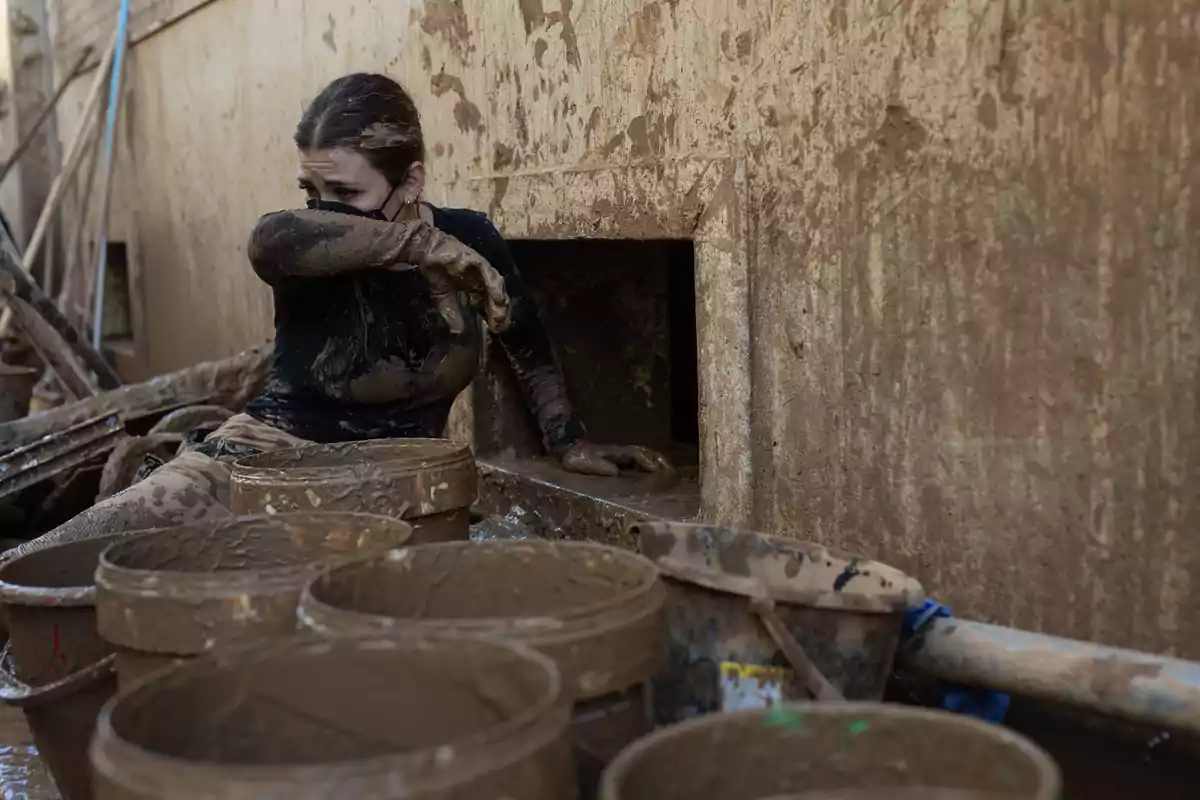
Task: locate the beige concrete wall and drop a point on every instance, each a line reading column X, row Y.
column 950, row 257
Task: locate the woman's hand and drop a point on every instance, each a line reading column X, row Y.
column 608, row 460
column 452, row 267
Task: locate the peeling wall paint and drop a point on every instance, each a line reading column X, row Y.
column 949, row 268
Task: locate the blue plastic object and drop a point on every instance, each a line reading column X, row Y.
column 980, row 703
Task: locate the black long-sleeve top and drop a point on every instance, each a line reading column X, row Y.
column 365, row 354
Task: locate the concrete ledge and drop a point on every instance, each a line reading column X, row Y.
column 556, row 504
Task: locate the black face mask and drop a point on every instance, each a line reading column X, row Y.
column 345, row 208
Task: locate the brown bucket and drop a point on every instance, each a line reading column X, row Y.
column 429, row 482
column 61, row 671
column 596, row 610
column 437, row 717
column 760, row 620
column 174, row 593
column 843, row 751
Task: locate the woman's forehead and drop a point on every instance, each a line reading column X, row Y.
column 336, row 165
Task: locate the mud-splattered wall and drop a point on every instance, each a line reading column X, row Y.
column 948, row 267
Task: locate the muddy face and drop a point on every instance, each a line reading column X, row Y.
column 342, row 175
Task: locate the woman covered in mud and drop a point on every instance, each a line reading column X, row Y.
column 379, row 302
column 372, row 340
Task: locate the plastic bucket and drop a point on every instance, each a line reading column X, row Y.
column 597, row 611
column 174, row 593
column 844, row 751
column 56, row 667
column 761, row 620
column 431, row 483
column 431, row 717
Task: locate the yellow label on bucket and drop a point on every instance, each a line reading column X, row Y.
column 751, row 685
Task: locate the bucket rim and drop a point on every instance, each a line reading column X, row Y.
column 533, row 629
column 905, row 593
column 1050, row 776
column 16, row 693
column 504, row 744
column 273, row 466
column 19, row 594
column 113, row 576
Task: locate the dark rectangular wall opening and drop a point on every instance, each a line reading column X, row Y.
column 622, row 315
column 117, row 324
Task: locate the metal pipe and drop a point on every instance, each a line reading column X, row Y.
column 110, row 128
column 1127, row 684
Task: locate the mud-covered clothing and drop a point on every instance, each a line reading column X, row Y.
column 365, row 354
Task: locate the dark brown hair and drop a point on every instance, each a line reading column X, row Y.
column 368, row 113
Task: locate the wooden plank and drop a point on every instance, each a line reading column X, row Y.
column 32, row 85
column 230, row 383
column 63, row 349
column 76, row 25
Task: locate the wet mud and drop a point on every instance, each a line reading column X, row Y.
column 23, row 776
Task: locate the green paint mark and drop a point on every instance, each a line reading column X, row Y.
column 780, row 717
column 858, row 726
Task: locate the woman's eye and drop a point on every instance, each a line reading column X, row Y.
column 347, row 194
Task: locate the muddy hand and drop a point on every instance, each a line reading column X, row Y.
column 608, row 460
column 452, row 267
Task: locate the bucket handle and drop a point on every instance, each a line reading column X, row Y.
column 810, row 677
column 19, row 694
column 763, row 606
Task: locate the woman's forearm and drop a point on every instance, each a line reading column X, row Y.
column 536, row 366
column 546, row 393
column 310, row 244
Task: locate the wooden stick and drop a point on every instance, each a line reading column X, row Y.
column 230, row 382
column 55, row 340
column 45, row 113
column 39, row 232
column 76, row 260
column 50, row 258
column 74, row 152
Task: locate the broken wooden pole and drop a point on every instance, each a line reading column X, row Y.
column 88, row 118
column 44, row 114
column 54, row 338
column 231, row 383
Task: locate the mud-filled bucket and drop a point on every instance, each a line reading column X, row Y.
column 56, row 668
column 431, row 483
column 171, row 594
column 596, row 610
column 759, row 620
column 828, row 751
column 436, row 717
